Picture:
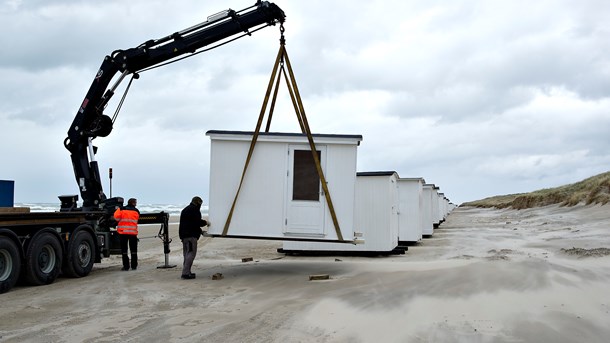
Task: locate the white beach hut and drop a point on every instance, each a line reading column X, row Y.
column 428, row 196
column 281, row 196
column 441, row 207
column 411, row 213
column 450, row 206
column 444, row 202
column 436, row 216
column 376, row 218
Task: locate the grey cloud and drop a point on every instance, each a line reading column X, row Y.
column 481, row 98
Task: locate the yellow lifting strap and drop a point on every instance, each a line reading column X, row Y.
column 278, row 69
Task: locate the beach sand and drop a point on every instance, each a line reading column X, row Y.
column 486, row 275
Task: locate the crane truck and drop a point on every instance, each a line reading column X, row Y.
column 36, row 247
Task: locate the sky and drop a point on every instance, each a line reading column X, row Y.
column 481, row 98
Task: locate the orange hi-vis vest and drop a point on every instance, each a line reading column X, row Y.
column 128, row 221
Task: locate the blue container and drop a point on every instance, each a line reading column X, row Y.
column 7, row 193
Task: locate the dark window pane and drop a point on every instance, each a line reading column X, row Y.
column 305, row 182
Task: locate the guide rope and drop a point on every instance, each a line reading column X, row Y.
column 282, row 62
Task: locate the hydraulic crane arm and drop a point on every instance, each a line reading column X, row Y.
column 90, row 122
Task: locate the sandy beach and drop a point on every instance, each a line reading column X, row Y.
column 486, row 275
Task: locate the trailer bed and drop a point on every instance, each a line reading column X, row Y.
column 12, row 219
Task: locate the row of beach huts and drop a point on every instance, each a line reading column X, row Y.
column 391, row 213
column 280, row 196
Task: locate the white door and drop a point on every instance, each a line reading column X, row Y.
column 305, row 201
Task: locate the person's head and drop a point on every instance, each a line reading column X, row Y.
column 132, row 202
column 197, row 201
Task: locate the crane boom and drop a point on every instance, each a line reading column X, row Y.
column 90, row 122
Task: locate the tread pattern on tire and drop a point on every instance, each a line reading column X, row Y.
column 71, row 265
column 10, row 251
column 34, row 274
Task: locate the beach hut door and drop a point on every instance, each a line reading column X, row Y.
column 305, row 201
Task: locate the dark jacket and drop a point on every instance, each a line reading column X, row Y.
column 190, row 222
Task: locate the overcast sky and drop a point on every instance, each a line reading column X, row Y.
column 481, row 98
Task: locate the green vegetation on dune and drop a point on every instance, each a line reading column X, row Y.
column 594, row 190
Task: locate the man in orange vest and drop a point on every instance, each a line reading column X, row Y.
column 127, row 227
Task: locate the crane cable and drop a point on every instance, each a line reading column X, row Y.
column 118, row 108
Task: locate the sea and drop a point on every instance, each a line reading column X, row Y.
column 172, row 209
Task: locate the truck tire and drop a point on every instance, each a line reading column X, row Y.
column 43, row 259
column 10, row 264
column 80, row 255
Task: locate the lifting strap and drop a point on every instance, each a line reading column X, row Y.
column 278, row 71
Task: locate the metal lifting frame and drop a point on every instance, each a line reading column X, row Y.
column 278, row 69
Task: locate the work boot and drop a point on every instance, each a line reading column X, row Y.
column 188, row 277
column 134, row 261
column 125, row 262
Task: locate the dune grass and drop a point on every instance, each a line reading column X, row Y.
column 593, row 190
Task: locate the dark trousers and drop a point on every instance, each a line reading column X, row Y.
column 189, row 251
column 132, row 241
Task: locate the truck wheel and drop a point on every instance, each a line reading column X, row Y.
column 43, row 260
column 10, row 264
column 80, row 257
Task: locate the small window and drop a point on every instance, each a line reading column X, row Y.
column 306, row 182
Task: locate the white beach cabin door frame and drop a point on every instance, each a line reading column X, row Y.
column 394, row 222
column 305, row 209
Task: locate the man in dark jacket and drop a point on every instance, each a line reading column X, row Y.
column 189, row 231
